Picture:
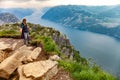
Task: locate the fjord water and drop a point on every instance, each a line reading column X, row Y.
column 103, row 49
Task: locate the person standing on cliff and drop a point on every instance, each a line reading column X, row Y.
column 24, row 31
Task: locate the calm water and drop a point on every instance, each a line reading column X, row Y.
column 103, row 49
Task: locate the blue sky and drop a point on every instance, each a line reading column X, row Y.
column 46, row 3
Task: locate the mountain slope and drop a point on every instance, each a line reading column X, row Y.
column 8, row 18
column 99, row 19
column 19, row 12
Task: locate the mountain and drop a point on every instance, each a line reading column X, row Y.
column 98, row 19
column 19, row 12
column 8, row 18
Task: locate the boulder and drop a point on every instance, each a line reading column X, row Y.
column 9, row 43
column 17, row 44
column 40, row 70
column 34, row 69
column 8, row 66
column 4, row 46
column 34, row 54
column 71, row 56
column 21, row 76
column 51, row 73
column 3, row 55
column 25, row 52
column 55, row 58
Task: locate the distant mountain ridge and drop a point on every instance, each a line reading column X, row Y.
column 19, row 12
column 8, row 18
column 99, row 19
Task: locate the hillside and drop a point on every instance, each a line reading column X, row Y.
column 51, row 42
column 8, row 18
column 98, row 19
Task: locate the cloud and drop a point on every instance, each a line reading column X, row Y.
column 15, row 0
column 25, row 3
column 42, row 0
column 50, row 3
column 22, row 0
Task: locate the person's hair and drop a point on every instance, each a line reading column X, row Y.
column 24, row 20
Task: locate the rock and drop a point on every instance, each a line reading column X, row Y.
column 9, row 43
column 33, row 69
column 35, row 53
column 21, row 76
column 55, row 58
column 71, row 56
column 17, row 44
column 8, row 66
column 30, row 47
column 25, row 52
column 3, row 55
column 40, row 70
column 3, row 46
column 52, row 72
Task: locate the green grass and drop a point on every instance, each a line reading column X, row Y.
column 84, row 72
column 9, row 33
column 48, row 44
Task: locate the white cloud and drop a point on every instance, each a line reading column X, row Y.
column 42, row 0
column 15, row 0
column 24, row 4
column 44, row 3
column 87, row 2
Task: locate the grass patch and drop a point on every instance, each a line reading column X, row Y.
column 84, row 72
column 9, row 33
column 47, row 43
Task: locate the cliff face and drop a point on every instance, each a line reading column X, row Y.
column 62, row 42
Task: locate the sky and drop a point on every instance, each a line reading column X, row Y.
column 47, row 3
